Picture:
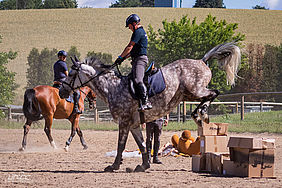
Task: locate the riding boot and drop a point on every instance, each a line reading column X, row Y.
column 76, row 105
column 155, row 155
column 149, row 150
column 143, row 96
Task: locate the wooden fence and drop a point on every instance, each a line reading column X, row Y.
column 15, row 112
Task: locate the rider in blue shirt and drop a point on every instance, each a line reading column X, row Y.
column 60, row 74
column 137, row 50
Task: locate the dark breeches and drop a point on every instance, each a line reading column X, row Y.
column 153, row 129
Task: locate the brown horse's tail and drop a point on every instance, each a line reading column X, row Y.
column 229, row 57
column 31, row 106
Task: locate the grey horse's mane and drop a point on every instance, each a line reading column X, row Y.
column 97, row 64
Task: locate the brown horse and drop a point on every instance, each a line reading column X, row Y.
column 44, row 102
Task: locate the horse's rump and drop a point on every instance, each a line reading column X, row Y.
column 31, row 106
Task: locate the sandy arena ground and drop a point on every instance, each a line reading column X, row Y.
column 41, row 166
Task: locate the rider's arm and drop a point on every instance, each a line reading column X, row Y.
column 126, row 52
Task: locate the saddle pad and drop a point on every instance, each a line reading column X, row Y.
column 70, row 98
column 156, row 83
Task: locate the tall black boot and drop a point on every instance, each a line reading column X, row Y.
column 149, row 150
column 145, row 104
column 76, row 105
column 155, row 155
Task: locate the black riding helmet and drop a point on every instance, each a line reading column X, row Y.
column 62, row 53
column 132, row 18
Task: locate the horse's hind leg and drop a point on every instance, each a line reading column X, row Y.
column 201, row 112
column 47, row 130
column 122, row 138
column 137, row 134
column 26, row 130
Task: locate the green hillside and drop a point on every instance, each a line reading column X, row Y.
column 102, row 30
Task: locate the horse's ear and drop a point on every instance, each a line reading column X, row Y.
column 76, row 59
column 74, row 62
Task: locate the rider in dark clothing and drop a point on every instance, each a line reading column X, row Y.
column 137, row 49
column 60, row 74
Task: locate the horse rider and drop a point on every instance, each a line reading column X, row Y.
column 154, row 129
column 137, row 50
column 60, row 74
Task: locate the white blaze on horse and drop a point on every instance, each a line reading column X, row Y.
column 186, row 80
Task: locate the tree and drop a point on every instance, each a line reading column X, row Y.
column 260, row 7
column 186, row 39
column 40, row 71
column 37, row 4
column 7, row 78
column 270, row 68
column 209, row 4
column 132, row 3
column 51, row 4
column 104, row 57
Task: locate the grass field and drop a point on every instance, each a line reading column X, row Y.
column 102, row 30
column 270, row 122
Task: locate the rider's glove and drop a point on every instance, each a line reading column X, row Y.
column 119, row 60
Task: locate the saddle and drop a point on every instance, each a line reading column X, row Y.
column 153, row 80
column 70, row 98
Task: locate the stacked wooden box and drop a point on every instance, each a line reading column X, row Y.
column 213, row 148
column 250, row 157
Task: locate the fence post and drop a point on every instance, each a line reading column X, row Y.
column 184, row 111
column 237, row 108
column 178, row 112
column 9, row 113
column 261, row 107
column 242, row 108
column 96, row 116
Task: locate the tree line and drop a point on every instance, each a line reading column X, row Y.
column 54, row 4
column 37, row 4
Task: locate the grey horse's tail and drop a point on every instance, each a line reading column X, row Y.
column 31, row 106
column 229, row 57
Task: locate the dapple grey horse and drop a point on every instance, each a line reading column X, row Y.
column 186, row 80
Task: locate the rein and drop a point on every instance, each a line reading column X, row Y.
column 83, row 84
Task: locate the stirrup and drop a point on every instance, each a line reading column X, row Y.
column 144, row 107
column 77, row 111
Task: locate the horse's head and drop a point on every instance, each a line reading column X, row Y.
column 81, row 74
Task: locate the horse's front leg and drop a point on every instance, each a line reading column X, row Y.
column 138, row 137
column 71, row 135
column 122, row 138
column 26, row 130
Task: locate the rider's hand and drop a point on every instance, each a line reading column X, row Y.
column 119, row 60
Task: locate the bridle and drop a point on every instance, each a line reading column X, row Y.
column 77, row 68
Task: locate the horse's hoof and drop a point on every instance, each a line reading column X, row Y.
column 139, row 168
column 66, row 148
column 21, row 149
column 85, row 147
column 109, row 169
column 129, row 170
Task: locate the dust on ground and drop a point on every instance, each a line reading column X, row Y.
column 41, row 166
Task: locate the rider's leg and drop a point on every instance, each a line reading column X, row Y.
column 76, row 101
column 138, row 70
